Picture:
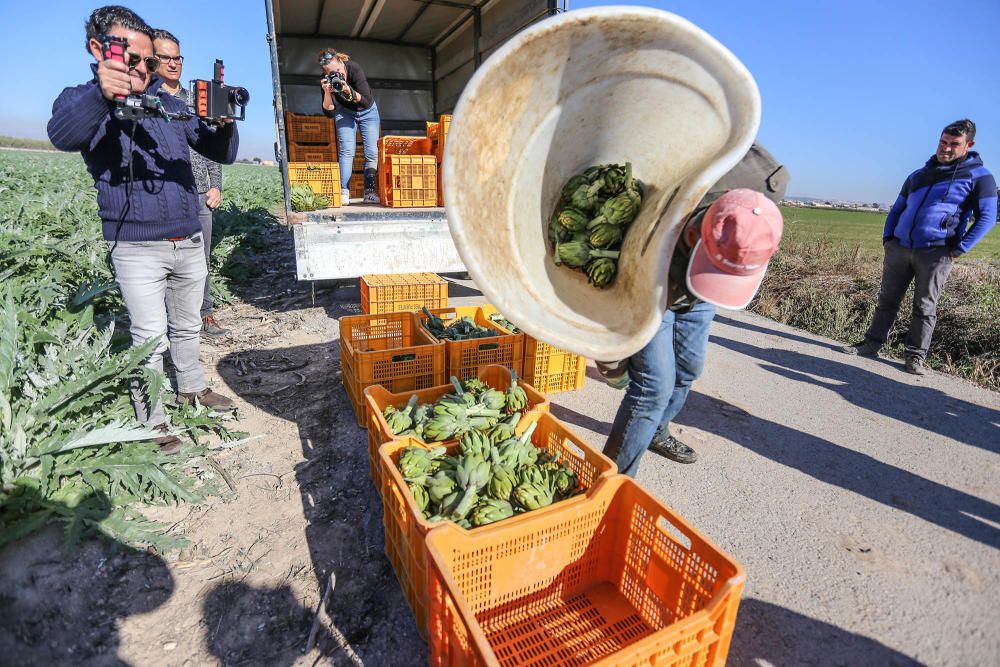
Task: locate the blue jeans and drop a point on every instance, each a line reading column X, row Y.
column 662, row 374
column 347, row 123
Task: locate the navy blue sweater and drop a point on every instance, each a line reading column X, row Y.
column 164, row 200
column 937, row 202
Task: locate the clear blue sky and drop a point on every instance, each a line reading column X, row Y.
column 854, row 93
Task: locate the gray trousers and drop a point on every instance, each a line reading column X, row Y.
column 162, row 283
column 928, row 269
column 205, row 218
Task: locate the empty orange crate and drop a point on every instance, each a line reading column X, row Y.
column 390, row 349
column 323, row 178
column 464, row 358
column 377, row 399
column 409, row 181
column 394, row 292
column 406, row 527
column 300, row 128
column 621, row 580
column 312, row 152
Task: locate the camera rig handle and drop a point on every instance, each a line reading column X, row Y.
column 114, row 48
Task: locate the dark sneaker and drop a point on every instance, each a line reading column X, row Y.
column 211, row 328
column 371, row 197
column 915, row 365
column 673, row 449
column 864, row 349
column 168, row 442
column 209, row 399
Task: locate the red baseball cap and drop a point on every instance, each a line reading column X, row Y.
column 739, row 234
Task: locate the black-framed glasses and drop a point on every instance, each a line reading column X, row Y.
column 152, row 62
column 171, row 59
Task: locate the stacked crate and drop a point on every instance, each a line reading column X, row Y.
column 437, row 132
column 407, row 172
column 310, row 138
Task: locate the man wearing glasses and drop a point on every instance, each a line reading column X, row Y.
column 148, row 203
column 207, row 174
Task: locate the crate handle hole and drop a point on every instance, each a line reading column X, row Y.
column 571, row 448
column 673, row 532
column 404, row 357
column 489, row 346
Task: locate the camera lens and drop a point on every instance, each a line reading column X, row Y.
column 240, row 96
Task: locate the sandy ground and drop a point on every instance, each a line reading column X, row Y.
column 863, row 503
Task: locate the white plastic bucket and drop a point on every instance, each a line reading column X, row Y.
column 607, row 84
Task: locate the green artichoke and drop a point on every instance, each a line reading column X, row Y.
column 601, row 272
column 475, row 442
column 502, row 482
column 532, row 496
column 619, row 210
column 572, row 185
column 516, row 398
column 417, row 462
column 491, row 510
column 572, row 220
column 440, row 486
column 605, row 235
column 585, row 197
column 419, row 494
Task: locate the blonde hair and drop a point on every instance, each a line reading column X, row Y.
column 342, row 57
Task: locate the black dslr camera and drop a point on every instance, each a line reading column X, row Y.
column 214, row 100
column 337, row 82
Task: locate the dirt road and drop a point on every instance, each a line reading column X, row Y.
column 862, row 501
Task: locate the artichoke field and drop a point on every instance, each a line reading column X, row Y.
column 70, row 448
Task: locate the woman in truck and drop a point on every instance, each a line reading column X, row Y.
column 348, row 100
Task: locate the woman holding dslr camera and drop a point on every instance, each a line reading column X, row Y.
column 348, row 100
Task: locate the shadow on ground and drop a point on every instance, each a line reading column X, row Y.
column 938, row 412
column 343, row 511
column 767, row 634
column 95, row 587
column 840, row 466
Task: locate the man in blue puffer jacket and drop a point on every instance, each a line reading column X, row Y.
column 926, row 229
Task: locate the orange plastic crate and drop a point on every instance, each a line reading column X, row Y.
column 312, row 152
column 300, row 128
column 358, row 165
column 390, row 349
column 409, row 181
column 464, row 358
column 323, row 178
column 621, row 580
column 444, row 124
column 406, row 527
column 392, row 145
column 394, row 292
column 377, row 399
column 547, row 368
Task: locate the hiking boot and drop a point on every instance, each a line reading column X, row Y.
column 915, row 365
column 864, row 349
column 209, row 399
column 670, row 447
column 211, row 328
column 168, row 442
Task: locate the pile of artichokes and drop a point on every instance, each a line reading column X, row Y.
column 491, row 476
column 474, row 407
column 464, row 328
column 591, row 219
column 304, row 199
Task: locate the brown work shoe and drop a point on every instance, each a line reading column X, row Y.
column 209, row 399
column 168, row 442
column 211, row 328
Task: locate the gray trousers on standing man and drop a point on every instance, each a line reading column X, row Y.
column 928, row 269
column 157, row 278
column 205, row 218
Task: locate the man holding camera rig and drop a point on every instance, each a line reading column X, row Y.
column 207, row 174
column 147, row 200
